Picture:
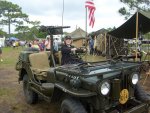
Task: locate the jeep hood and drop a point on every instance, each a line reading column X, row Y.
column 97, row 68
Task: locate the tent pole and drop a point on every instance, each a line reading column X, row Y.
column 136, row 33
column 148, row 47
column 109, row 47
column 114, row 47
column 105, row 42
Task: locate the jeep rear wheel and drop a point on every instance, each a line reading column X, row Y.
column 30, row 96
column 72, row 106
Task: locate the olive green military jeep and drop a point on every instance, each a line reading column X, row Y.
column 89, row 87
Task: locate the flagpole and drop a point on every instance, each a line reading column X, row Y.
column 91, row 9
column 63, row 13
column 86, row 21
column 62, row 18
column 86, row 32
column 136, row 35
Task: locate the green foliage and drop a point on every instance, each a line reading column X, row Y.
column 2, row 32
column 35, row 23
column 42, row 35
column 147, row 36
column 27, row 33
column 11, row 14
column 66, row 33
column 22, row 29
column 132, row 6
column 34, row 33
column 110, row 29
column 4, row 91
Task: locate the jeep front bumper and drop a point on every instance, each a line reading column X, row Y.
column 141, row 108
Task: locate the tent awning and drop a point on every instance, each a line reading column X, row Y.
column 128, row 29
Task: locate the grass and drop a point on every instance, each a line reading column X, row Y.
column 4, row 91
column 145, row 45
column 9, row 56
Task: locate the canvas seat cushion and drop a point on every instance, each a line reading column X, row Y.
column 58, row 55
column 39, row 64
column 40, row 74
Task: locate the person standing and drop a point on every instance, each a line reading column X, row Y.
column 48, row 43
column 35, row 44
column 1, row 52
column 41, row 45
column 91, row 45
column 56, row 45
column 95, row 45
column 14, row 44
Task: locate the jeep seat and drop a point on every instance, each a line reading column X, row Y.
column 58, row 55
column 40, row 64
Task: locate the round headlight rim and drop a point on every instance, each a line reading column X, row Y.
column 131, row 78
column 100, row 85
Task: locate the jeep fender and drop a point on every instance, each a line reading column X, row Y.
column 24, row 70
column 74, row 92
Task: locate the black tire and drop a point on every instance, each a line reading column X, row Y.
column 72, row 106
column 140, row 94
column 30, row 96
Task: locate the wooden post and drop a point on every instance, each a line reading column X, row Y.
column 136, row 34
column 105, row 42
column 114, row 47
column 109, row 48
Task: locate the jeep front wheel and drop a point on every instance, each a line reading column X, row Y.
column 30, row 96
column 72, row 106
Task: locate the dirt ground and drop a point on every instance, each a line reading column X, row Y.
column 12, row 99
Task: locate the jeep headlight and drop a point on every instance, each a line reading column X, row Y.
column 104, row 88
column 134, row 78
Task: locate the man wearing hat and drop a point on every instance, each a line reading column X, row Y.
column 67, row 51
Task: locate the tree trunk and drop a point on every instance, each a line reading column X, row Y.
column 9, row 26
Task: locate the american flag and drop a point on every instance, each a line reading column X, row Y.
column 91, row 8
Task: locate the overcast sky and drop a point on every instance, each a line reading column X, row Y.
column 49, row 12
